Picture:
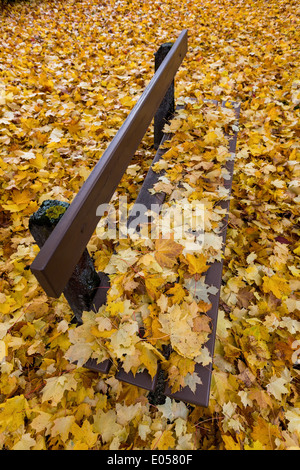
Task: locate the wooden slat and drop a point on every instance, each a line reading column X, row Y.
column 56, row 261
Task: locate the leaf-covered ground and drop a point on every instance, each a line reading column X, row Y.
column 70, row 72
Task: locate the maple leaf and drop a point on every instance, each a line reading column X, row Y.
column 153, row 284
column 293, row 416
column 178, row 324
column 121, row 261
column 230, row 443
column 144, row 429
column 204, row 357
column 25, row 443
column 277, row 285
column 42, row 422
column 200, row 290
column 105, row 423
column 163, row 186
column 153, row 329
column 79, row 353
column 262, row 398
column 197, row 264
column 223, row 325
column 185, row 366
column 62, row 427
column 167, row 252
column 163, row 441
column 149, row 357
column 175, row 380
column 132, row 362
column 124, row 339
column 84, row 437
column 173, row 126
column 149, row 261
column 277, row 387
column 222, row 384
column 177, row 293
column 173, row 410
column 13, row 413
column 231, row 420
column 127, row 413
column 56, row 386
column 192, row 380
column 265, row 433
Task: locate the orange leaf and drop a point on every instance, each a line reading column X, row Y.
column 166, row 252
column 197, row 265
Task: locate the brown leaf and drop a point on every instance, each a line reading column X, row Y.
column 166, row 252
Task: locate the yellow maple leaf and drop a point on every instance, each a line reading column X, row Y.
column 12, row 413
column 84, row 436
column 153, row 284
column 177, row 293
column 115, row 308
column 105, row 423
column 175, row 379
column 277, row 285
column 173, row 126
column 25, row 443
column 293, row 416
column 197, row 264
column 178, row 323
column 123, row 340
column 277, row 387
column 61, row 426
column 132, row 362
column 211, row 137
column 56, row 386
column 149, row 357
column 163, row 441
column 39, row 162
column 42, row 421
column 265, row 433
column 230, row 443
column 153, row 330
column 183, row 364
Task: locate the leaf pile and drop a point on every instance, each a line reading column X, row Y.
column 70, row 72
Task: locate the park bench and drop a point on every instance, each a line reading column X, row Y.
column 63, row 264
